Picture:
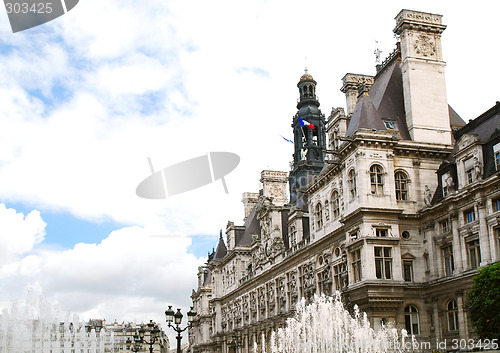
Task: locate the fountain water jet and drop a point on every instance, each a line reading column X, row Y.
column 326, row 326
column 38, row 327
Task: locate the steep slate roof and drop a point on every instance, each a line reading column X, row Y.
column 221, row 250
column 207, row 280
column 385, row 101
column 486, row 128
column 252, row 225
column 456, row 121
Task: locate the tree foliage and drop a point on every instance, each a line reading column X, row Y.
column 483, row 302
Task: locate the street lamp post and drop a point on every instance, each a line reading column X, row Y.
column 154, row 334
column 137, row 344
column 176, row 318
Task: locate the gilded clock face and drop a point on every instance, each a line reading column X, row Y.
column 424, row 46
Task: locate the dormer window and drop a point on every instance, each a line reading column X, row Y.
column 448, row 184
column 469, row 170
column 390, row 125
column 496, row 153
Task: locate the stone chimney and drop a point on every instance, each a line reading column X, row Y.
column 274, row 186
column 352, row 86
column 424, row 86
column 249, row 200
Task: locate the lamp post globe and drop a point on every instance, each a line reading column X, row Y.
column 176, row 318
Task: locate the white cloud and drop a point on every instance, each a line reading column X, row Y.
column 18, row 233
column 130, row 275
column 172, row 80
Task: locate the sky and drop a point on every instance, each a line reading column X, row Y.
column 86, row 99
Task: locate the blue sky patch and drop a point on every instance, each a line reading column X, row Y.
column 65, row 230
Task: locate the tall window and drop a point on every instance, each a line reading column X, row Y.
column 293, row 236
column 319, row 215
column 469, row 215
column 411, row 320
column 474, row 253
column 408, row 270
column 445, row 226
column 469, row 170
column 452, row 312
column 352, row 183
column 356, row 265
column 376, row 179
column 401, row 180
column 335, row 204
column 496, row 204
column 496, row 154
column 324, row 282
column 497, row 157
column 449, row 265
column 337, row 274
column 383, row 262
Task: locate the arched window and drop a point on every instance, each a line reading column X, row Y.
column 352, row 183
column 411, row 320
column 452, row 311
column 376, row 179
column 335, row 204
column 401, row 180
column 319, row 215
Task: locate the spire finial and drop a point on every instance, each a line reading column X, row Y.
column 377, row 53
column 305, row 65
column 220, row 234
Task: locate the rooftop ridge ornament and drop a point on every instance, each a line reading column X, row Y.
column 377, row 53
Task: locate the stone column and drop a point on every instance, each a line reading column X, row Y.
column 457, row 246
column 484, row 241
column 462, row 320
column 245, row 343
column 437, row 323
column 495, row 256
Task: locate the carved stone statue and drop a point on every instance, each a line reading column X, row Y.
column 478, row 169
column 450, row 184
column 427, row 196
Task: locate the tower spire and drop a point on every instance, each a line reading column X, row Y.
column 309, row 140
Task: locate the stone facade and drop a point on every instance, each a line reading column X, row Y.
column 392, row 210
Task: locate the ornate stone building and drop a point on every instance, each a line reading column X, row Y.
column 394, row 203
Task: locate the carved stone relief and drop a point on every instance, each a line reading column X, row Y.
column 425, row 46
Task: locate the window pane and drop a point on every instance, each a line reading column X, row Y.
column 388, row 269
column 378, row 268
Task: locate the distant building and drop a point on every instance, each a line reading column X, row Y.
column 394, row 202
column 117, row 335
